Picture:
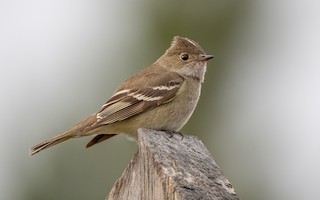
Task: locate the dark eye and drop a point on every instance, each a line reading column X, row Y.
column 184, row 56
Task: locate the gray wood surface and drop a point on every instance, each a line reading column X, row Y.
column 172, row 167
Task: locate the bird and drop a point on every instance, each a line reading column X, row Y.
column 161, row 96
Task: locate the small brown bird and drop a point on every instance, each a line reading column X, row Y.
column 162, row 96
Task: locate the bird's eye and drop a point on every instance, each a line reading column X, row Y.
column 184, row 56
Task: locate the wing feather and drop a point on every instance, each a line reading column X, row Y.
column 129, row 102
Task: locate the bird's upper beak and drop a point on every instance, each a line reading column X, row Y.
column 205, row 57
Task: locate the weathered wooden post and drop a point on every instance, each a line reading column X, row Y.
column 171, row 168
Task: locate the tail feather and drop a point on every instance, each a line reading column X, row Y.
column 81, row 129
column 99, row 138
column 50, row 142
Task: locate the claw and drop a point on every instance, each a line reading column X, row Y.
column 172, row 133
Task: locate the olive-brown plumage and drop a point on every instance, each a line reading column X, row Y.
column 162, row 96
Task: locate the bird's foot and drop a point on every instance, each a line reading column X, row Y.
column 172, row 133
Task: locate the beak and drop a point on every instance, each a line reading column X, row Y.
column 205, row 57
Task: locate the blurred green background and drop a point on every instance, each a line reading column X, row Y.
column 258, row 114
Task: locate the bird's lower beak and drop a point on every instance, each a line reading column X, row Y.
column 205, row 57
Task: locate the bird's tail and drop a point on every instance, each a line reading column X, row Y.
column 52, row 141
column 81, row 129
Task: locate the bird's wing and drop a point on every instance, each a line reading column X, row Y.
column 126, row 103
